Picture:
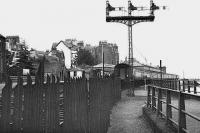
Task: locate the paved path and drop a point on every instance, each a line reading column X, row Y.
column 127, row 116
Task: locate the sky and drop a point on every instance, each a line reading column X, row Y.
column 173, row 37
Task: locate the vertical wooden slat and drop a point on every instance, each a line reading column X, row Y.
column 17, row 116
column 6, row 99
column 28, row 107
column 56, row 105
column 52, row 103
column 68, row 105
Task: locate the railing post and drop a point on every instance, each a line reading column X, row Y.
column 176, row 84
column 195, row 88
column 168, row 107
column 159, row 103
column 153, row 99
column 183, row 85
column 179, row 85
column 181, row 114
column 148, row 96
column 188, row 86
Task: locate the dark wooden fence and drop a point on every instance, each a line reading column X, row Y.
column 72, row 106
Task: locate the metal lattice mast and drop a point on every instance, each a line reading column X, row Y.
column 130, row 38
column 131, row 20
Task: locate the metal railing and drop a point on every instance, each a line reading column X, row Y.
column 185, row 85
column 158, row 96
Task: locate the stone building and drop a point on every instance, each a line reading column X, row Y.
column 12, row 43
column 111, row 54
column 2, row 57
column 54, row 62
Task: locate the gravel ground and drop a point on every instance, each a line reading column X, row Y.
column 127, row 116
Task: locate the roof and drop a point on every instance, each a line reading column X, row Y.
column 1, row 36
column 105, row 65
column 76, row 69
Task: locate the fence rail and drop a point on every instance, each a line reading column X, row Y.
column 75, row 105
column 184, row 85
column 157, row 96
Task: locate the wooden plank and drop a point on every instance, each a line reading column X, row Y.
column 5, row 116
column 67, row 105
column 56, row 105
column 28, row 107
column 17, row 116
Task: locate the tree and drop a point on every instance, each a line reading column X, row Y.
column 24, row 61
column 84, row 57
column 21, row 60
column 9, row 58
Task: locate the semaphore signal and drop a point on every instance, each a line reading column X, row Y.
column 131, row 20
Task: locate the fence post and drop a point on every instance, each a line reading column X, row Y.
column 188, row 86
column 183, row 85
column 148, row 96
column 195, row 87
column 171, row 84
column 175, row 84
column 153, row 99
column 181, row 114
column 179, row 87
column 168, row 83
column 168, row 107
column 159, row 103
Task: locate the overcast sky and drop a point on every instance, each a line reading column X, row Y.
column 173, row 37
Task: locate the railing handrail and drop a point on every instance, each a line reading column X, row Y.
column 181, row 106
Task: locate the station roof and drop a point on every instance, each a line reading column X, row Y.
column 105, row 65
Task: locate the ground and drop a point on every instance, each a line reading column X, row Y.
column 127, row 116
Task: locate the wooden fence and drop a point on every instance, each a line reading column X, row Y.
column 72, row 106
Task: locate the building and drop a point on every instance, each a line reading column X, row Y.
column 91, row 49
column 12, row 43
column 2, row 57
column 54, row 62
column 111, row 54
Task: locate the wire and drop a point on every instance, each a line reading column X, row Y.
column 140, row 53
